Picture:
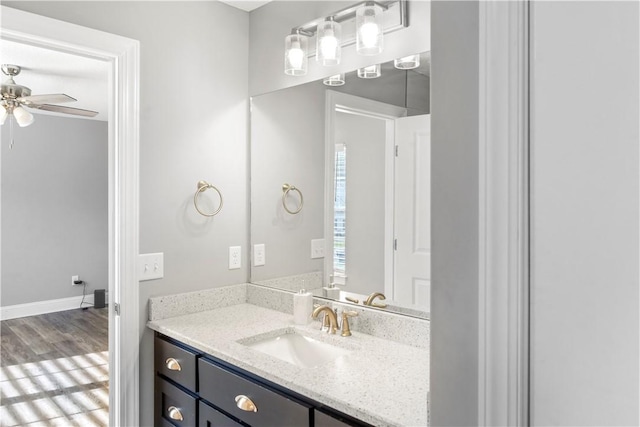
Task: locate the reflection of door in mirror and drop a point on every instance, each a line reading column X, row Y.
column 412, row 266
column 378, row 169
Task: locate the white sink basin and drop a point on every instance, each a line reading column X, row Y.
column 298, row 349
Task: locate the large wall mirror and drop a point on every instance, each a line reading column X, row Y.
column 340, row 189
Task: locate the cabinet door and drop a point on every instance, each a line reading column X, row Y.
column 210, row 417
column 173, row 405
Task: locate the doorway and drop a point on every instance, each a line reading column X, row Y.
column 55, row 233
column 122, row 55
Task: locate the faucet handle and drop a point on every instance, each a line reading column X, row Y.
column 346, row 330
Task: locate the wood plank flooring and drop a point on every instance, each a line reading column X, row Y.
column 54, row 369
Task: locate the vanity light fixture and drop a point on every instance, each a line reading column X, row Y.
column 335, row 80
column 370, row 72
column 369, row 34
column 363, row 24
column 408, row 62
column 296, row 50
column 329, row 40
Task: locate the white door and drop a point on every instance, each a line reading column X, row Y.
column 412, row 261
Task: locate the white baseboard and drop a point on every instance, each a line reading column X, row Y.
column 43, row 307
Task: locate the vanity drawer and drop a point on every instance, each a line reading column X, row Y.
column 222, row 388
column 210, row 417
column 174, row 406
column 176, row 363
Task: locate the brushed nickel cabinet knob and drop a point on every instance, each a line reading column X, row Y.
column 174, row 413
column 246, row 404
column 172, row 364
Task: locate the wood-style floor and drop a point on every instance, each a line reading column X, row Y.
column 54, row 369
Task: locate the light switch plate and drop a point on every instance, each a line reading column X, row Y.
column 259, row 255
column 235, row 257
column 317, row 248
column 150, row 266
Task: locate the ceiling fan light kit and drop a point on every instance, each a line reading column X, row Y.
column 15, row 97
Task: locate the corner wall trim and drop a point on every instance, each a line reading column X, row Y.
column 43, row 307
column 504, row 214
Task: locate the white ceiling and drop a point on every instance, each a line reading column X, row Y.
column 247, row 5
column 46, row 71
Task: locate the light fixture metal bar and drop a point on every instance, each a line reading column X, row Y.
column 309, row 29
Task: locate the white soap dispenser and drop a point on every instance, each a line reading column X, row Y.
column 302, row 307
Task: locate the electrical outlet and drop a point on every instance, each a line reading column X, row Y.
column 317, row 248
column 74, row 279
column 235, row 257
column 150, row 266
column 258, row 255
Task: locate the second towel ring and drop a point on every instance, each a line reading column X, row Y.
column 286, row 188
column 203, row 186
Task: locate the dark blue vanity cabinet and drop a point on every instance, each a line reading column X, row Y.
column 194, row 389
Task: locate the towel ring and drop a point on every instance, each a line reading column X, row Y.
column 286, row 188
column 203, row 186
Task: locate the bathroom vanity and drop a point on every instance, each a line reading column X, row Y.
column 226, row 378
column 193, row 388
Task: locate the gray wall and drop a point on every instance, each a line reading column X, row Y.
column 270, row 24
column 287, row 145
column 584, row 214
column 365, row 138
column 454, row 220
column 54, row 209
column 187, row 133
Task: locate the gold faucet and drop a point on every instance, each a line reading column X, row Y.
column 370, row 300
column 328, row 313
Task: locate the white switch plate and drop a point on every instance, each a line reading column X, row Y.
column 150, row 266
column 258, row 255
column 317, row 248
column 235, row 257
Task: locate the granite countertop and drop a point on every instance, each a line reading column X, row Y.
column 380, row 382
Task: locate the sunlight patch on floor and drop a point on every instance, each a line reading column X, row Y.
column 58, row 392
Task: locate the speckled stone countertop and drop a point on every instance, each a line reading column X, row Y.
column 380, row 382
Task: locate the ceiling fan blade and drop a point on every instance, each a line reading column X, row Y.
column 56, row 98
column 65, row 110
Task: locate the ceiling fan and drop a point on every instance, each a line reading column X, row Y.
column 15, row 97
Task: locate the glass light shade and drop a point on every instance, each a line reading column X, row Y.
column 369, row 29
column 370, row 72
column 408, row 62
column 3, row 115
column 329, row 38
column 296, row 48
column 336, row 80
column 23, row 117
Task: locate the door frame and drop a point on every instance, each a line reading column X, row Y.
column 123, row 56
